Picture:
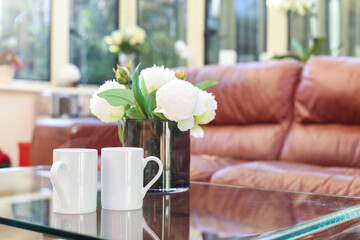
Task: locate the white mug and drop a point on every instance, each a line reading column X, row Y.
column 124, row 225
column 73, row 175
column 79, row 223
column 122, row 171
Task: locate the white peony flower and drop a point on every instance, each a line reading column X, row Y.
column 135, row 34
column 117, row 37
column 137, row 39
column 211, row 105
column 182, row 49
column 155, row 77
column 197, row 132
column 114, row 48
column 104, row 110
column 109, row 39
column 179, row 101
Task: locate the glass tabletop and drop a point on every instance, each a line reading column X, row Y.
column 207, row 211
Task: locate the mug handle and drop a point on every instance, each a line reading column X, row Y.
column 157, row 176
column 149, row 230
column 57, row 170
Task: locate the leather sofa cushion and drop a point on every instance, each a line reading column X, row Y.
column 203, row 166
column 247, row 90
column 326, row 130
column 329, row 91
column 292, row 177
column 323, row 144
column 244, row 142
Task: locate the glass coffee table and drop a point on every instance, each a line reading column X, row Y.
column 207, row 211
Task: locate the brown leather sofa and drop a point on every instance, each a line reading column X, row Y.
column 283, row 125
column 279, row 125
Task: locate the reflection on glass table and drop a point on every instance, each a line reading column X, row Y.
column 207, row 211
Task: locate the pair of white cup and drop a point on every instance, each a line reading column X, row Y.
column 74, row 178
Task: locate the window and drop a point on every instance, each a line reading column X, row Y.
column 25, row 27
column 338, row 21
column 90, row 22
column 230, row 24
column 165, row 23
column 238, row 25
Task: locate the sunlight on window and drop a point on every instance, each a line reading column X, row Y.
column 237, row 25
column 165, row 24
column 338, row 22
column 25, row 29
column 90, row 22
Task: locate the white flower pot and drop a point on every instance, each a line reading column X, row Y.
column 6, row 73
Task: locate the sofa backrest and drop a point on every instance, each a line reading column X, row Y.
column 254, row 108
column 326, row 127
column 70, row 133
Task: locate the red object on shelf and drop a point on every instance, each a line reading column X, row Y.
column 4, row 160
column 24, row 154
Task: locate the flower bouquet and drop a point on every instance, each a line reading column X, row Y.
column 129, row 40
column 8, row 54
column 9, row 63
column 10, row 58
column 159, row 109
column 156, row 93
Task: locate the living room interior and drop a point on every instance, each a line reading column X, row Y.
column 287, row 74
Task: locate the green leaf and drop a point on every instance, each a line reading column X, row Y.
column 118, row 97
column 318, row 45
column 137, row 92
column 145, row 93
column 152, row 101
column 133, row 113
column 298, row 48
column 120, row 133
column 159, row 115
column 143, row 88
column 206, row 84
column 288, row 56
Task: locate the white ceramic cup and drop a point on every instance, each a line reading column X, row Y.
column 73, row 175
column 124, row 225
column 122, row 170
column 79, row 223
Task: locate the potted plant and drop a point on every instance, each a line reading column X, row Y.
column 9, row 61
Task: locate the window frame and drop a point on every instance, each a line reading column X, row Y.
column 276, row 34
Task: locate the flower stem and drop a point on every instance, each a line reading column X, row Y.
column 120, row 133
column 138, row 106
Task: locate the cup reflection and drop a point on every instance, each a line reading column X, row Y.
column 168, row 215
column 79, row 223
column 124, row 225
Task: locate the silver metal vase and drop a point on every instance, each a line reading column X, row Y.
column 163, row 139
